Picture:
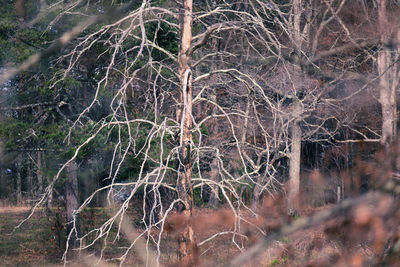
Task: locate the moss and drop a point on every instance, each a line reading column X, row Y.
column 275, row 262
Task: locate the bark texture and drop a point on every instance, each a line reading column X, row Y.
column 388, row 76
column 294, row 170
column 294, row 157
column 184, row 116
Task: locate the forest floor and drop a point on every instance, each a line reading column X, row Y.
column 30, row 245
column 41, row 240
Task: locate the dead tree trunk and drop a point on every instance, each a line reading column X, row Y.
column 294, row 169
column 388, row 78
column 298, row 35
column 184, row 116
column 214, row 168
column 72, row 203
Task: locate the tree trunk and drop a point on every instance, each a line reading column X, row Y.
column 18, row 182
column 294, row 157
column 257, row 193
column 72, row 202
column 388, row 78
column 39, row 171
column 20, row 9
column 214, row 173
column 2, row 182
column 387, row 100
column 184, row 116
column 29, row 178
column 43, row 5
column 294, row 168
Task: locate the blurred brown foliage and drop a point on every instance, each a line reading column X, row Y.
column 363, row 231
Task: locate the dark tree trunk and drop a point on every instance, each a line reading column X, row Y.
column 72, row 202
column 19, row 180
column 39, row 171
column 29, row 178
column 2, row 183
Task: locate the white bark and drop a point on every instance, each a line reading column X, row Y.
column 388, row 72
column 295, row 160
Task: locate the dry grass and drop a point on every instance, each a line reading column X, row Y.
column 8, row 207
column 326, row 244
column 14, row 209
column 359, row 235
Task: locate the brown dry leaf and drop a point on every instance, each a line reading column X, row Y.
column 356, row 260
column 380, row 234
column 362, row 215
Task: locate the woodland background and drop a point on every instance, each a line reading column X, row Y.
column 157, row 132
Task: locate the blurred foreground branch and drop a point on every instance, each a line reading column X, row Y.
column 346, row 208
